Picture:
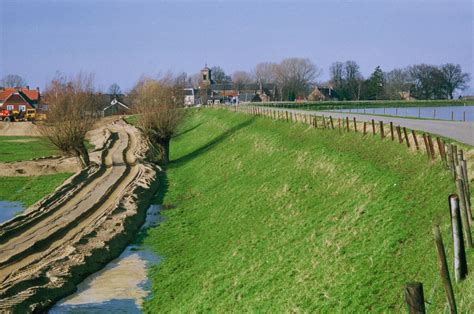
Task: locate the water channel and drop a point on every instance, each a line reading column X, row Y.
column 121, row 286
column 455, row 113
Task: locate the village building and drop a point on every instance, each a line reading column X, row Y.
column 116, row 107
column 19, row 99
column 210, row 92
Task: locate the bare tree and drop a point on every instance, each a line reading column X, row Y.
column 295, row 76
column 114, row 90
column 265, row 72
column 337, row 74
column 159, row 108
column 13, row 80
column 454, row 78
column 240, row 78
column 397, row 83
column 71, row 114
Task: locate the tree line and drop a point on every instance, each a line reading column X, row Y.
column 297, row 77
column 420, row 81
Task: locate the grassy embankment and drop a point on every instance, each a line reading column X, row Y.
column 18, row 148
column 325, row 105
column 272, row 216
column 27, row 190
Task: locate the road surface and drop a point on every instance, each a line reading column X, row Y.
column 460, row 131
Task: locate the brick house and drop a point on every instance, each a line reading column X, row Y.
column 19, row 99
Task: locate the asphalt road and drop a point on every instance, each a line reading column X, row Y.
column 460, row 131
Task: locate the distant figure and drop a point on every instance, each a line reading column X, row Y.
column 460, row 97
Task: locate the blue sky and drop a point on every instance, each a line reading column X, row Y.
column 121, row 40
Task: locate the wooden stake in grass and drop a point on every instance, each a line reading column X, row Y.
column 324, row 122
column 382, row 135
column 347, row 124
column 442, row 153
column 455, row 154
column 406, row 137
column 464, row 195
column 427, row 145
column 443, row 269
column 451, row 164
column 466, row 182
column 286, row 113
column 365, row 128
column 355, row 124
column 465, row 215
column 339, row 124
column 414, row 298
column 391, row 131
column 373, row 127
column 460, row 263
column 332, row 124
column 399, row 133
column 432, row 150
column 316, row 122
column 415, row 139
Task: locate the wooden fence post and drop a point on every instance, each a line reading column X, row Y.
column 451, row 164
column 406, row 137
column 430, row 141
column 324, row 122
column 442, row 153
column 373, row 127
column 443, row 269
column 347, row 124
column 461, row 187
column 332, row 124
column 339, row 124
column 427, row 145
column 415, row 139
column 286, row 113
column 466, row 182
column 316, row 122
column 355, row 124
column 455, row 154
column 465, row 215
column 414, row 298
column 365, row 128
column 399, row 133
column 460, row 263
column 391, row 131
column 382, row 135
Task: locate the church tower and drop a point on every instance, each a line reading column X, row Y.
column 206, row 76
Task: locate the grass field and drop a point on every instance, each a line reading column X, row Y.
column 325, row 105
column 272, row 216
column 18, row 148
column 29, row 190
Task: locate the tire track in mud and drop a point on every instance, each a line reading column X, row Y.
column 33, row 252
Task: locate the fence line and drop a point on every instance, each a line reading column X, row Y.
column 453, row 160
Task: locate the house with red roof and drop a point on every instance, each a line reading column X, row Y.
column 19, row 99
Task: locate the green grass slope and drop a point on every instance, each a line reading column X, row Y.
column 271, row 216
column 29, row 190
column 18, row 148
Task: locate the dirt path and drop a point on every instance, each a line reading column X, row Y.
column 43, row 251
column 459, row 131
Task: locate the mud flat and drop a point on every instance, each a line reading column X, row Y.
column 87, row 222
